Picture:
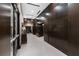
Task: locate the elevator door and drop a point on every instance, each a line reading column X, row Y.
column 5, row 10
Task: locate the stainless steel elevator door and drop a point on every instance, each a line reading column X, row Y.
column 5, row 13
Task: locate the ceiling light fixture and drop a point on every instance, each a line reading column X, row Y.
column 47, row 14
column 38, row 18
column 41, row 18
column 58, row 8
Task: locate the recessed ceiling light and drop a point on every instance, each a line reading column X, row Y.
column 47, row 14
column 58, row 8
column 41, row 18
column 37, row 18
column 39, row 22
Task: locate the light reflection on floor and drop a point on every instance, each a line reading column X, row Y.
column 36, row 46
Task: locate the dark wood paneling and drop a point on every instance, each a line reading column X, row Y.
column 61, row 29
column 73, row 18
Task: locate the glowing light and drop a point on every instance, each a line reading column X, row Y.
column 58, row 8
column 47, row 14
column 41, row 18
column 37, row 18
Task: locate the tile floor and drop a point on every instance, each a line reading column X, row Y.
column 36, row 46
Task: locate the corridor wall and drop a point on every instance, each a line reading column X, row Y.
column 61, row 29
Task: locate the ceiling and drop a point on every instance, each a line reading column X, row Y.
column 32, row 10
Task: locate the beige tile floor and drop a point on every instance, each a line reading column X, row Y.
column 36, row 46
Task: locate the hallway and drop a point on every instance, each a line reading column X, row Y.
column 38, row 47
